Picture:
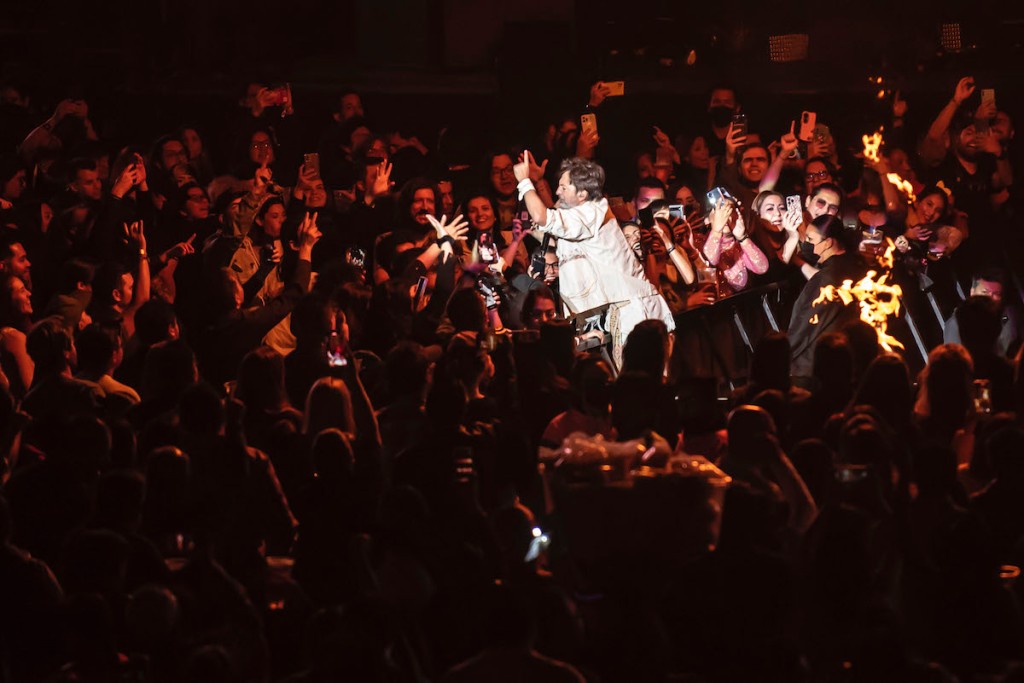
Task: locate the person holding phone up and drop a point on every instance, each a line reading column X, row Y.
column 730, row 249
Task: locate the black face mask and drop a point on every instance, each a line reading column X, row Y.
column 807, row 253
column 720, row 116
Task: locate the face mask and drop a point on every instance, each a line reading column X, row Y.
column 807, row 253
column 720, row 116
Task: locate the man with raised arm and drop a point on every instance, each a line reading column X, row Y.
column 596, row 265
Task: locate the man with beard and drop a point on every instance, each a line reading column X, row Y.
column 596, row 266
column 973, row 166
column 418, row 199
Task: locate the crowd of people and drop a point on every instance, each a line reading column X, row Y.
column 279, row 415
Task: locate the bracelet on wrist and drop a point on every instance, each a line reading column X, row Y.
column 447, row 238
column 524, row 186
column 670, row 248
column 743, row 239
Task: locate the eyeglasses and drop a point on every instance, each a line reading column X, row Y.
column 820, row 175
column 261, row 145
column 504, row 170
column 831, row 209
column 551, row 266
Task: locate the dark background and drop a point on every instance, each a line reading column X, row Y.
column 500, row 68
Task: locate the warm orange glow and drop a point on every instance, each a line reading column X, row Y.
column 875, row 298
column 887, row 259
column 881, row 94
column 871, row 144
column 902, row 185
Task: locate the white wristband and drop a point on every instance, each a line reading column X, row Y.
column 525, row 185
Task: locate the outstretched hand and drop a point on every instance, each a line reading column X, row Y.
column 964, row 89
column 536, row 171
column 135, row 233
column 788, row 142
column 382, row 183
column 598, row 93
column 181, row 249
column 457, row 228
column 309, row 234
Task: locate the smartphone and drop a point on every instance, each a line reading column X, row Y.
column 538, row 544
column 354, row 256
column 589, row 123
column 793, row 203
column 485, row 247
column 616, row 88
column 677, row 211
column 718, row 194
column 489, row 341
column 335, row 351
column 822, row 135
column 982, row 397
column 851, row 474
column 312, row 160
column 739, row 123
column 988, row 96
column 421, row 291
column 808, row 120
column 490, row 299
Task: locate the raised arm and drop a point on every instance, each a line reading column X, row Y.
column 535, row 205
column 448, row 233
column 753, row 258
column 787, row 143
column 791, row 222
column 719, row 216
column 935, row 143
column 140, row 296
column 677, row 256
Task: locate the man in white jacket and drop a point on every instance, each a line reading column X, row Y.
column 596, row 265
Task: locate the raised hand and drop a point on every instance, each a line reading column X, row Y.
column 788, row 142
column 986, row 111
column 586, row 143
column 663, row 141
column 128, row 179
column 309, row 234
column 739, row 229
column 519, row 230
column 262, row 178
column 598, row 93
column 135, row 233
column 964, row 89
column 457, row 229
column 181, row 249
column 987, row 142
column 536, row 170
column 734, row 139
column 792, row 220
column 522, row 169
column 720, row 216
column 899, row 106
column 918, row 232
column 382, row 183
